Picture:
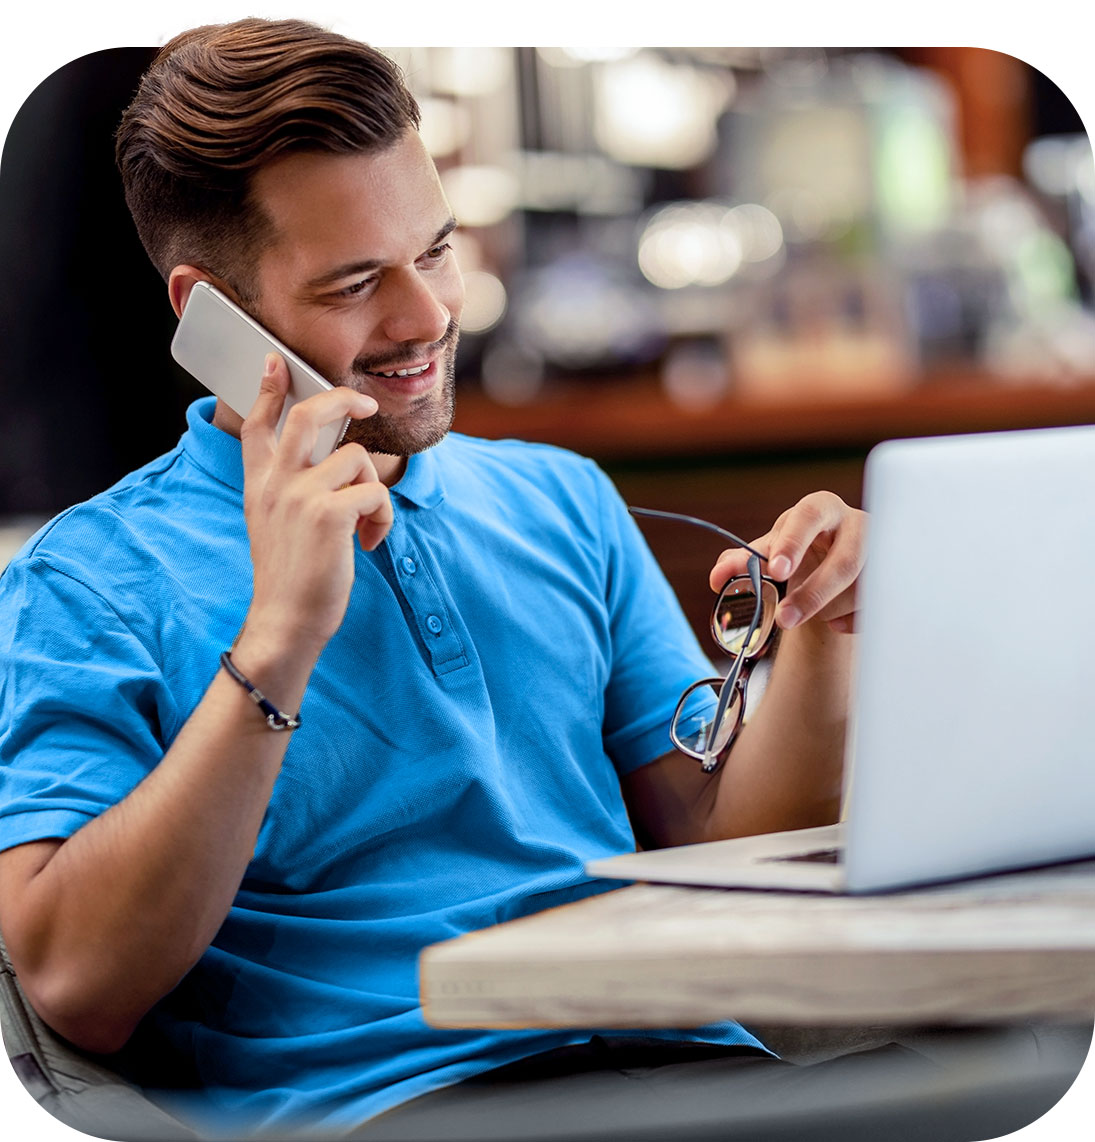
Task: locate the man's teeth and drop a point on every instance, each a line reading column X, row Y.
column 404, row 372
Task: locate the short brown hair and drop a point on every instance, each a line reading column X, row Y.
column 221, row 101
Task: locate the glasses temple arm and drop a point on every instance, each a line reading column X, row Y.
column 654, row 513
column 710, row 757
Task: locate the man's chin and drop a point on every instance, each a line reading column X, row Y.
column 387, row 435
column 425, row 424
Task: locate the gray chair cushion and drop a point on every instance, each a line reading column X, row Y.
column 74, row 1087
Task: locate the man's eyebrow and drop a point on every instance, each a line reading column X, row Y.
column 351, row 269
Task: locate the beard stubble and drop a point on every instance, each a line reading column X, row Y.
column 424, row 424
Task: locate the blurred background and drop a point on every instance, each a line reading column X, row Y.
column 724, row 273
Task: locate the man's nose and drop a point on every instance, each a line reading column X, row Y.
column 413, row 311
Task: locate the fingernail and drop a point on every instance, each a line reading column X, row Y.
column 270, row 364
column 780, row 567
column 788, row 616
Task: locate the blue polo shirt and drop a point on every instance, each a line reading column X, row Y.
column 509, row 652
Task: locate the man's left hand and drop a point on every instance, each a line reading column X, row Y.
column 817, row 548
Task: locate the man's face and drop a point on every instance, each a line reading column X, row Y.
column 361, row 282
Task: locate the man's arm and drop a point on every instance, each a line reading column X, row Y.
column 102, row 925
column 785, row 769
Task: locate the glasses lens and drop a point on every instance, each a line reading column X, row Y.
column 692, row 723
column 734, row 615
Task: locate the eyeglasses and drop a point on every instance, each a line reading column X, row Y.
column 742, row 623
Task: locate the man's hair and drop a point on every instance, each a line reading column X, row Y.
column 221, row 101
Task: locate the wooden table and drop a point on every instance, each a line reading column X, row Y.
column 999, row 948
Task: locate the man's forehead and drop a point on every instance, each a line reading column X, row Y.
column 376, row 206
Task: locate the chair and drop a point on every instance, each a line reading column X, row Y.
column 74, row 1087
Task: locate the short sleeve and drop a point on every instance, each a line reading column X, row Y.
column 82, row 703
column 655, row 653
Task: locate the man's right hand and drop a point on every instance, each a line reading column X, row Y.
column 301, row 518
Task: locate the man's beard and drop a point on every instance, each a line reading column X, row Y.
column 429, row 417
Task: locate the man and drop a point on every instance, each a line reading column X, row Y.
column 482, row 652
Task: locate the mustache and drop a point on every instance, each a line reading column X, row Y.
column 407, row 355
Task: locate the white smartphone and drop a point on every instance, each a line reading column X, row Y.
column 225, row 349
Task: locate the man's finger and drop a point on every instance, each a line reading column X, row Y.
column 350, row 464
column 303, row 424
column 828, row 590
column 799, row 527
column 735, row 561
column 373, row 506
column 258, row 434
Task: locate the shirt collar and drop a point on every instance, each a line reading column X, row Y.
column 219, row 454
column 421, row 483
column 212, row 449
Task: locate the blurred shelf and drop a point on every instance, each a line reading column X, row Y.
column 616, row 418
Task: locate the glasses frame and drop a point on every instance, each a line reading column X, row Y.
column 736, row 680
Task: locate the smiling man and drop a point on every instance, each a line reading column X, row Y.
column 484, row 656
column 358, row 276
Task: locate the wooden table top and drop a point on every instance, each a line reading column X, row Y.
column 1002, row 947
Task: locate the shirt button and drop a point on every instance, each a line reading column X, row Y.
column 409, row 565
column 433, row 624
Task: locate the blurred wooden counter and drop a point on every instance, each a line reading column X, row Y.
column 742, row 462
column 621, row 419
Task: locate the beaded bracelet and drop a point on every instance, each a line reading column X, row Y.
column 275, row 719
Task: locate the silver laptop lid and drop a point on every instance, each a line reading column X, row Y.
column 973, row 743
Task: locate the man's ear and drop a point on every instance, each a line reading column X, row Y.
column 181, row 281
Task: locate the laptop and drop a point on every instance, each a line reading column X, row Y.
column 971, row 747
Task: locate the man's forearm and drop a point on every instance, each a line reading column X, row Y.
column 785, row 770
column 113, row 917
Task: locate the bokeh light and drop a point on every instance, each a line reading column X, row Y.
column 481, row 195
column 653, row 113
column 484, row 301
column 705, row 243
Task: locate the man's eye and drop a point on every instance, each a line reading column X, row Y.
column 356, row 288
column 439, row 251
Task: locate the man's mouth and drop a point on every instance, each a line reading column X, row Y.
column 416, row 369
column 400, row 372
column 407, row 383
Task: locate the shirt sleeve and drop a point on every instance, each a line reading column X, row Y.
column 82, row 703
column 655, row 653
